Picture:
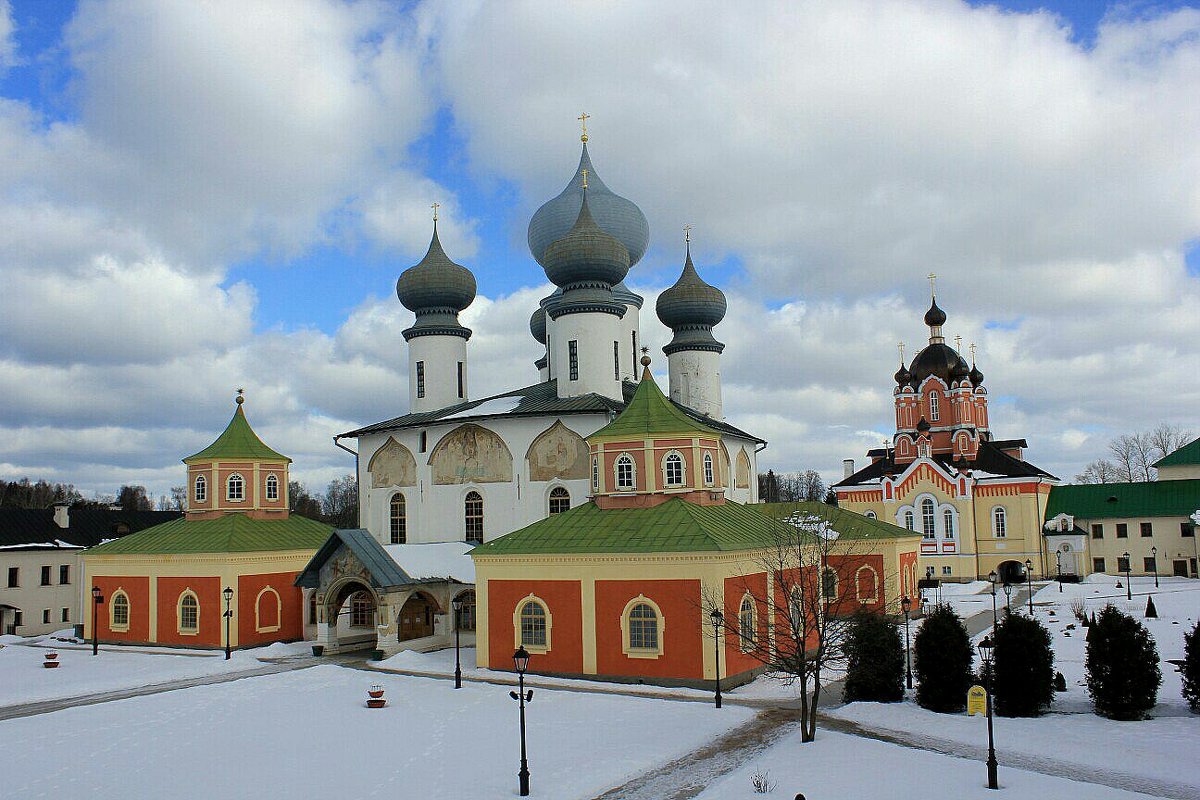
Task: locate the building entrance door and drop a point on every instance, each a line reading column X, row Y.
column 416, row 618
column 1180, row 568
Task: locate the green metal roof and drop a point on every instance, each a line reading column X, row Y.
column 650, row 413
column 236, row 442
column 678, row 526
column 1184, row 456
column 231, row 533
column 1124, row 500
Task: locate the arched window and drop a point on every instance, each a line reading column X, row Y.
column 796, row 612
column 473, row 517
column 268, row 611
column 189, row 613
column 533, row 624
column 909, row 520
column 927, row 518
column 120, row 612
column 999, row 522
column 673, row 469
column 362, row 610
column 625, row 476
column 866, row 584
column 747, row 632
column 201, row 491
column 560, row 500
column 829, row 585
column 871, row 515
column 595, row 474
column 948, row 523
column 934, row 411
column 398, row 519
column 709, row 478
column 643, row 628
column 235, row 488
column 272, row 487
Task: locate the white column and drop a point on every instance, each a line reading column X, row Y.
column 439, row 358
column 594, row 335
column 695, row 380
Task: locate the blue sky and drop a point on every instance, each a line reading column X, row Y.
column 224, row 195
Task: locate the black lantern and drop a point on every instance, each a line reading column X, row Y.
column 1128, row 569
column 717, row 620
column 97, row 599
column 1154, row 564
column 905, row 606
column 985, row 652
column 457, row 605
column 1029, row 583
column 993, row 579
column 521, row 663
column 227, row 592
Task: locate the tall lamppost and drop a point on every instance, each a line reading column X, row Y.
column 905, row 605
column 1154, row 563
column 1128, row 570
column 985, row 652
column 97, row 599
column 1008, row 589
column 1029, row 582
column 457, row 605
column 992, row 579
column 717, row 618
column 1058, row 568
column 228, row 594
column 521, row 662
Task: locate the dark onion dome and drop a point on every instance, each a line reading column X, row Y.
column 960, row 371
column 436, row 289
column 613, row 213
column 587, row 256
column 935, row 359
column 537, row 325
column 623, row 293
column 935, row 316
column 976, row 376
column 903, row 376
column 690, row 309
column 923, row 426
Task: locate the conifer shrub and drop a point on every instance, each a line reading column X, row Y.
column 1191, row 667
column 1023, row 673
column 1151, row 611
column 1123, row 673
column 875, row 659
column 942, row 661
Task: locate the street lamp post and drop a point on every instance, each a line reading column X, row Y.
column 1058, row 568
column 1029, row 582
column 985, row 652
column 1154, row 563
column 457, row 605
column 521, row 662
column 992, row 578
column 97, row 599
column 905, row 605
column 228, row 593
column 1008, row 589
column 1128, row 570
column 717, row 618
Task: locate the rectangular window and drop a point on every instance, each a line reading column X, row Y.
column 66, row 615
column 18, row 619
column 14, row 577
column 1147, row 529
column 45, row 576
column 64, row 573
column 462, row 384
column 1186, row 529
column 1122, row 564
column 633, row 335
column 1149, row 565
column 1122, row 530
column 421, row 440
column 1097, row 565
column 45, row 616
column 1097, row 530
column 420, row 379
column 616, row 361
column 946, row 570
column 573, row 359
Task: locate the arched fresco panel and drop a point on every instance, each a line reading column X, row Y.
column 726, row 471
column 741, row 479
column 471, row 454
column 558, row 452
column 392, row 465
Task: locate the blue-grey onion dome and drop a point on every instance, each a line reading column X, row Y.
column 935, row 316
column 624, row 294
column 903, row 376
column 976, row 376
column 691, row 301
column 586, row 255
column 537, row 325
column 436, row 282
column 613, row 213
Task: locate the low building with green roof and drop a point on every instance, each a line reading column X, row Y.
column 1181, row 464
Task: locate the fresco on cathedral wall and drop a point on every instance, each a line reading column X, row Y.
column 741, row 478
column 558, row 452
column 343, row 564
column 393, row 465
column 725, row 468
column 471, row 454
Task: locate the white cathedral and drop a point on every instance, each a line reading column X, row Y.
column 459, row 469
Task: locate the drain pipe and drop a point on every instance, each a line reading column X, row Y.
column 357, row 488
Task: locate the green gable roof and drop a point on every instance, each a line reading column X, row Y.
column 236, row 442
column 650, row 413
column 677, row 526
column 1184, row 456
column 231, row 533
column 1125, row 500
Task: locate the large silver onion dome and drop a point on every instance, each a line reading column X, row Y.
column 586, row 254
column 691, row 301
column 436, row 282
column 613, row 213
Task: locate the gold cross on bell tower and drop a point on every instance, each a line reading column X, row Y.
column 583, row 118
column 584, row 178
column 435, row 207
column 687, row 233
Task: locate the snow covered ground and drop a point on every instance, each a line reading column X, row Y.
column 1153, row 749
column 308, row 734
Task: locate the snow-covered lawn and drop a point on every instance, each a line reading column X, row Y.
column 1155, row 749
column 841, row 766
column 308, row 734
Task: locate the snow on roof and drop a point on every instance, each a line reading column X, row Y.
column 439, row 560
column 497, row 405
column 58, row 543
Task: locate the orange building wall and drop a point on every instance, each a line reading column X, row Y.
column 734, row 661
column 212, row 605
column 908, row 574
column 138, row 592
column 292, row 608
column 683, row 628
column 565, row 604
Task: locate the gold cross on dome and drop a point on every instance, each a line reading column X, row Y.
column 687, row 233
column 972, row 353
column 435, row 207
column 584, row 178
column 583, row 118
column 901, row 346
column 958, row 343
column 932, row 283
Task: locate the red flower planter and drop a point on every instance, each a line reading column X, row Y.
column 51, row 661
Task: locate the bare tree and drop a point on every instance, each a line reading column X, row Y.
column 341, row 502
column 1166, row 439
column 1099, row 471
column 1135, row 453
column 178, row 498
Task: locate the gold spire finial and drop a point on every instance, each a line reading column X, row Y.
column 583, row 118
column 585, row 178
column 240, row 397
column 958, row 343
column 687, row 233
column 435, row 207
column 932, row 284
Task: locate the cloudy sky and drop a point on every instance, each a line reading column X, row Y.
column 196, row 197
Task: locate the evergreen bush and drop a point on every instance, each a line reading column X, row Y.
column 1123, row 673
column 875, row 659
column 942, row 660
column 1024, row 668
column 1151, row 611
column 1191, row 667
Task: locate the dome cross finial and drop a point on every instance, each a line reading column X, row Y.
column 687, row 233
column 972, row 354
column 958, row 343
column 241, row 396
column 932, row 284
column 900, row 346
column 436, row 205
column 584, row 171
column 583, row 118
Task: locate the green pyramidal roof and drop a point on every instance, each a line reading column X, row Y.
column 1184, row 456
column 230, row 533
column 237, row 441
column 650, row 413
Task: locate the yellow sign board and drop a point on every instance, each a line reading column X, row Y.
column 976, row 701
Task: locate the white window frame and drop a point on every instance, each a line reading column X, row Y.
column 182, row 631
column 119, row 627
column 709, row 475
column 258, row 626
column 928, row 518
column 200, row 489
column 874, row 597
column 673, row 457
column 551, row 497
column 595, row 474
column 949, row 522
column 241, row 488
column 271, row 489
column 1000, row 522
column 621, row 486
column 482, row 516
column 935, row 408
column 660, row 627
column 747, row 634
column 517, row 613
